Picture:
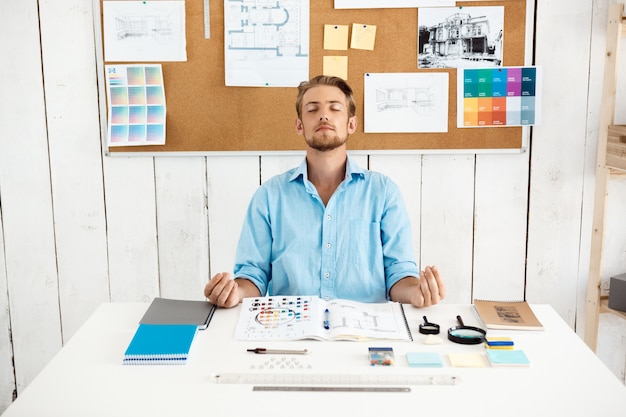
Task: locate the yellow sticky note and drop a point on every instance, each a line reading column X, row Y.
column 336, row 66
column 363, row 36
column 467, row 360
column 336, row 37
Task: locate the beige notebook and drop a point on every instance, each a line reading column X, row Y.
column 507, row 315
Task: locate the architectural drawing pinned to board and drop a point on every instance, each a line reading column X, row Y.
column 492, row 97
column 136, row 98
column 140, row 31
column 406, row 102
column 266, row 44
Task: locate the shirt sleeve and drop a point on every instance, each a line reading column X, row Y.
column 252, row 259
column 398, row 250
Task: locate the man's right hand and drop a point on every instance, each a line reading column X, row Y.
column 222, row 290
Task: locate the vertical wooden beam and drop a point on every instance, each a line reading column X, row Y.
column 607, row 113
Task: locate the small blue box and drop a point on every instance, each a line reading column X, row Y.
column 381, row 356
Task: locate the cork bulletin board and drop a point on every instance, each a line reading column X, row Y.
column 203, row 115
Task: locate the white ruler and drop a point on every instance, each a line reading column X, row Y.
column 207, row 20
column 333, row 379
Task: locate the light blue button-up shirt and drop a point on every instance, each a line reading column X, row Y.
column 356, row 247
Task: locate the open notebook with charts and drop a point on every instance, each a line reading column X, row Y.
column 310, row 317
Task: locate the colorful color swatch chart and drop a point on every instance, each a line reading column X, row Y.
column 275, row 317
column 490, row 97
column 136, row 105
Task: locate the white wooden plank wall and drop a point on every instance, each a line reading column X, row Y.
column 27, row 213
column 558, row 160
column 7, row 377
column 76, row 176
column 182, row 224
column 131, row 228
column 500, row 218
column 78, row 228
column 232, row 181
column 447, row 220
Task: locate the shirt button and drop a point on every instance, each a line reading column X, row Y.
column 326, row 275
column 328, row 217
column 328, row 245
column 327, row 298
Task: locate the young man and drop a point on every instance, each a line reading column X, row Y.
column 327, row 228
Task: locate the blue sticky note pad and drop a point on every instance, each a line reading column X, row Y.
column 424, row 359
column 507, row 357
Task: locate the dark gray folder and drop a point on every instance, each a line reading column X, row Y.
column 169, row 311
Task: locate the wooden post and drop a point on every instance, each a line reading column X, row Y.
column 613, row 35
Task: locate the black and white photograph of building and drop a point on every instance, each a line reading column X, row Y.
column 457, row 37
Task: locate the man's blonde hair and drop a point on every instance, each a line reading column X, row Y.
column 325, row 80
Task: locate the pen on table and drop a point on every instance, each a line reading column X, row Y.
column 279, row 351
column 326, row 320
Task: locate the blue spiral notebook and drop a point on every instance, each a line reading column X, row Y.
column 160, row 344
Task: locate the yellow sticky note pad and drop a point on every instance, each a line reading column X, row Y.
column 467, row 360
column 336, row 37
column 336, row 66
column 363, row 36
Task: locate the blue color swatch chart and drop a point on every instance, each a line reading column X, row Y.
column 491, row 97
column 136, row 110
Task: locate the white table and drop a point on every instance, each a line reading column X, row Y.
column 86, row 378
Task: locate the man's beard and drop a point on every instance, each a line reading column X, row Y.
column 324, row 142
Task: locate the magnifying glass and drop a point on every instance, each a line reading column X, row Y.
column 428, row 327
column 466, row 335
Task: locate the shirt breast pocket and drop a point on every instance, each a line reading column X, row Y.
column 365, row 246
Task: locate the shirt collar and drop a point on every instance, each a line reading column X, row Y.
column 353, row 170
